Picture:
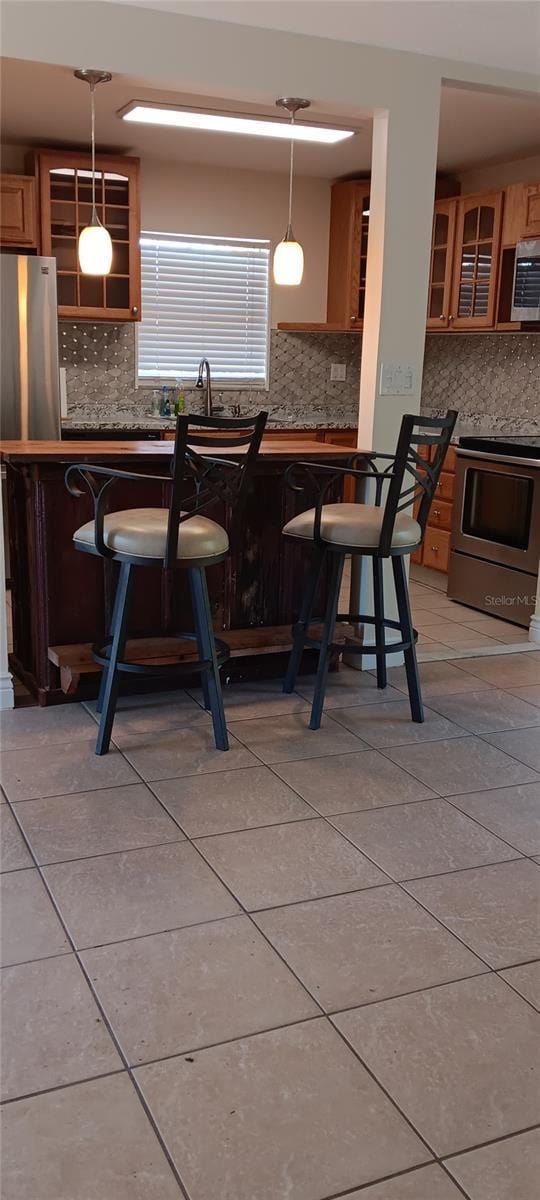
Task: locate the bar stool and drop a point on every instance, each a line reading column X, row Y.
column 176, row 538
column 378, row 531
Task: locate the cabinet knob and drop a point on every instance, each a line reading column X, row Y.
column 451, row 318
column 443, row 318
column 436, row 512
column 134, row 310
column 435, row 549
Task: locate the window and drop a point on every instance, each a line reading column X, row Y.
column 204, row 298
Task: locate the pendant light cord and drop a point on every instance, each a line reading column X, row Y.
column 94, row 217
column 291, row 172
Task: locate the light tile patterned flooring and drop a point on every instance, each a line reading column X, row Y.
column 305, row 969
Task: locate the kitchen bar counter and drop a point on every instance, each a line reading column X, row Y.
column 62, row 598
column 87, row 451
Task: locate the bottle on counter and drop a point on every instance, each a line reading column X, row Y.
column 165, row 402
column 179, row 402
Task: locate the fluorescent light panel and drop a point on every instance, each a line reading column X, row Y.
column 181, row 118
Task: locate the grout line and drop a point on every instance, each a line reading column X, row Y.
column 59, row 1087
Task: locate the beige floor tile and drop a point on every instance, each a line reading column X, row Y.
column 252, row 1119
column 33, row 727
column 355, row 781
column 232, row 800
column 531, row 694
column 507, row 1170
column 285, row 863
column 143, row 722
column 434, row 652
column 187, row 751
column 178, row 991
column 435, row 619
column 52, row 1031
column 493, row 909
column 461, row 765
column 29, row 925
column 427, row 1183
column 391, row 724
column 526, row 981
column 347, row 686
column 486, row 712
column 92, row 1141
column 438, row 679
column 517, row 670
column 511, row 813
column 459, row 637
column 523, row 744
column 168, row 698
column 501, row 631
column 142, row 891
column 55, row 770
column 87, row 823
column 283, row 739
column 263, row 698
column 13, row 851
column 411, row 840
column 365, row 946
column 459, row 1060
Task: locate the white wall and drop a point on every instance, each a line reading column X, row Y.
column 521, row 170
column 189, row 198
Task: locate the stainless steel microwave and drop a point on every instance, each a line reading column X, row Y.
column 526, row 290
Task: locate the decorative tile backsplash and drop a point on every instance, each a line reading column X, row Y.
column 494, row 380
column 100, row 363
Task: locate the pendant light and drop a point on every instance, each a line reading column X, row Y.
column 95, row 245
column 288, row 255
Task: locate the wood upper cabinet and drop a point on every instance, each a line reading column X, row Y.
column 18, row 223
column 441, row 264
column 521, row 213
column 65, row 190
column 476, row 261
column 347, row 261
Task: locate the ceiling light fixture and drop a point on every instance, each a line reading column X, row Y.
column 183, row 118
column 95, row 245
column 288, row 255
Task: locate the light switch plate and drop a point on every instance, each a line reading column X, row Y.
column 396, row 380
column 338, row 372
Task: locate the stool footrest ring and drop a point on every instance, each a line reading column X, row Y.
column 101, row 654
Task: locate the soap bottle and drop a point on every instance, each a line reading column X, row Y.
column 165, row 402
column 179, row 398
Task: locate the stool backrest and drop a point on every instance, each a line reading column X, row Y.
column 213, row 477
column 414, row 476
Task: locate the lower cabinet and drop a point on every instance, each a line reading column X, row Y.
column 435, row 549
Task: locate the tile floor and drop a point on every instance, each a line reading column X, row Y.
column 305, row 969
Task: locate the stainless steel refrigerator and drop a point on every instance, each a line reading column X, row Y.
column 30, row 378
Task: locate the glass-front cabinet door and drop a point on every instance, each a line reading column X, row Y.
column 441, row 264
column 347, row 261
column 474, row 291
column 66, row 207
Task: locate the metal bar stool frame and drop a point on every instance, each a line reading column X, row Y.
column 409, row 479
column 212, row 479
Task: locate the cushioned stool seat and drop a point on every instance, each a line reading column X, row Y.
column 142, row 533
column 355, row 525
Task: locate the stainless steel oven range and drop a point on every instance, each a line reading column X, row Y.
column 495, row 540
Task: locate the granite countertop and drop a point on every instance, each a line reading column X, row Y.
column 169, row 423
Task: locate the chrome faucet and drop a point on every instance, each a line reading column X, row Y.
column 204, row 365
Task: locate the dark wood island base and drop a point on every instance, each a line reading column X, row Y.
column 61, row 599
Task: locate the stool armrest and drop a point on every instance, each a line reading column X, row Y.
column 99, row 494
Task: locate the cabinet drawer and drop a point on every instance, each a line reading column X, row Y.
column 445, row 486
column 449, row 463
column 418, row 556
column 440, row 515
column 436, row 549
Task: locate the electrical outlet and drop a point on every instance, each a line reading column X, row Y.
column 338, row 372
column 396, row 380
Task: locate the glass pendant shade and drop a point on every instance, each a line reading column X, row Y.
column 288, row 263
column 95, row 250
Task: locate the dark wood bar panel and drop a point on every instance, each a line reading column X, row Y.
column 61, row 598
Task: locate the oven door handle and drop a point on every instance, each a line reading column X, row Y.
column 486, row 457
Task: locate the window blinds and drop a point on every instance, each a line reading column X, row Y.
column 204, row 298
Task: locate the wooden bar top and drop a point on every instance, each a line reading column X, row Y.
column 68, row 452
